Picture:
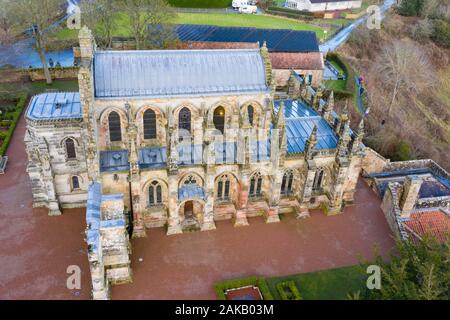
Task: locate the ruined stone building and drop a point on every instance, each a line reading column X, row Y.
column 189, row 137
column 415, row 195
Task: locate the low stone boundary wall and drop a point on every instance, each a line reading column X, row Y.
column 37, row 74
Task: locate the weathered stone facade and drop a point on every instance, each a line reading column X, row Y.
column 51, row 171
column 408, row 188
column 241, row 154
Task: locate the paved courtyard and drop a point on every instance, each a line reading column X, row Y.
column 36, row 249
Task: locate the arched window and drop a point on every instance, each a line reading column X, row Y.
column 184, row 120
column 149, row 124
column 219, row 119
column 155, row 194
column 70, row 149
column 318, row 179
column 286, row 184
column 251, row 113
column 255, row 185
column 115, row 131
column 75, row 183
column 223, row 188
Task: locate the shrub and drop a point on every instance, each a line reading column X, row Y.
column 261, row 283
column 422, row 30
column 441, row 33
column 296, row 14
column 16, row 115
column 292, row 294
column 5, row 123
column 404, row 151
column 200, row 3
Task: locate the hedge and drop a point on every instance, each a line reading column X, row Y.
column 200, row 3
column 261, row 283
column 19, row 108
column 291, row 285
column 349, row 74
column 296, row 14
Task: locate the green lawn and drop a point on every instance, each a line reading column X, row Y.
column 336, row 84
column 225, row 20
column 244, row 20
column 332, row 284
column 36, row 87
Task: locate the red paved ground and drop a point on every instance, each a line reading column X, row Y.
column 36, row 249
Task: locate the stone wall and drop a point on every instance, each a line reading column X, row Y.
column 282, row 76
column 50, row 170
column 37, row 74
column 373, row 162
column 108, row 242
column 392, row 211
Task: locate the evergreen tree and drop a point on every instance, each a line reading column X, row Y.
column 411, row 7
column 420, row 270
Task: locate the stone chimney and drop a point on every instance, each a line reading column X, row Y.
column 410, row 194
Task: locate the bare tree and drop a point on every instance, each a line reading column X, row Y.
column 143, row 14
column 404, row 66
column 100, row 17
column 37, row 17
column 6, row 22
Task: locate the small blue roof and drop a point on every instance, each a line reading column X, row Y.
column 116, row 160
column 190, row 191
column 161, row 73
column 300, row 121
column 278, row 40
column 55, row 106
column 151, row 158
column 432, row 186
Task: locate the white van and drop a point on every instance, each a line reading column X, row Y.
column 248, row 9
column 236, row 4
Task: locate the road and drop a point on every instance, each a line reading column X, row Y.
column 335, row 42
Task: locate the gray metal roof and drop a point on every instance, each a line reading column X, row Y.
column 55, row 106
column 160, row 73
column 300, row 121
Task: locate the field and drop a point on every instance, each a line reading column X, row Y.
column 245, row 20
column 218, row 19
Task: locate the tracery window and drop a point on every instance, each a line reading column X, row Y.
column 255, row 185
column 115, row 130
column 190, row 180
column 184, row 120
column 155, row 193
column 223, row 188
column 219, row 119
column 70, row 149
column 286, row 184
column 251, row 114
column 75, row 183
column 149, row 124
column 318, row 180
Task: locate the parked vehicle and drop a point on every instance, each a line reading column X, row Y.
column 248, row 9
column 236, row 4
